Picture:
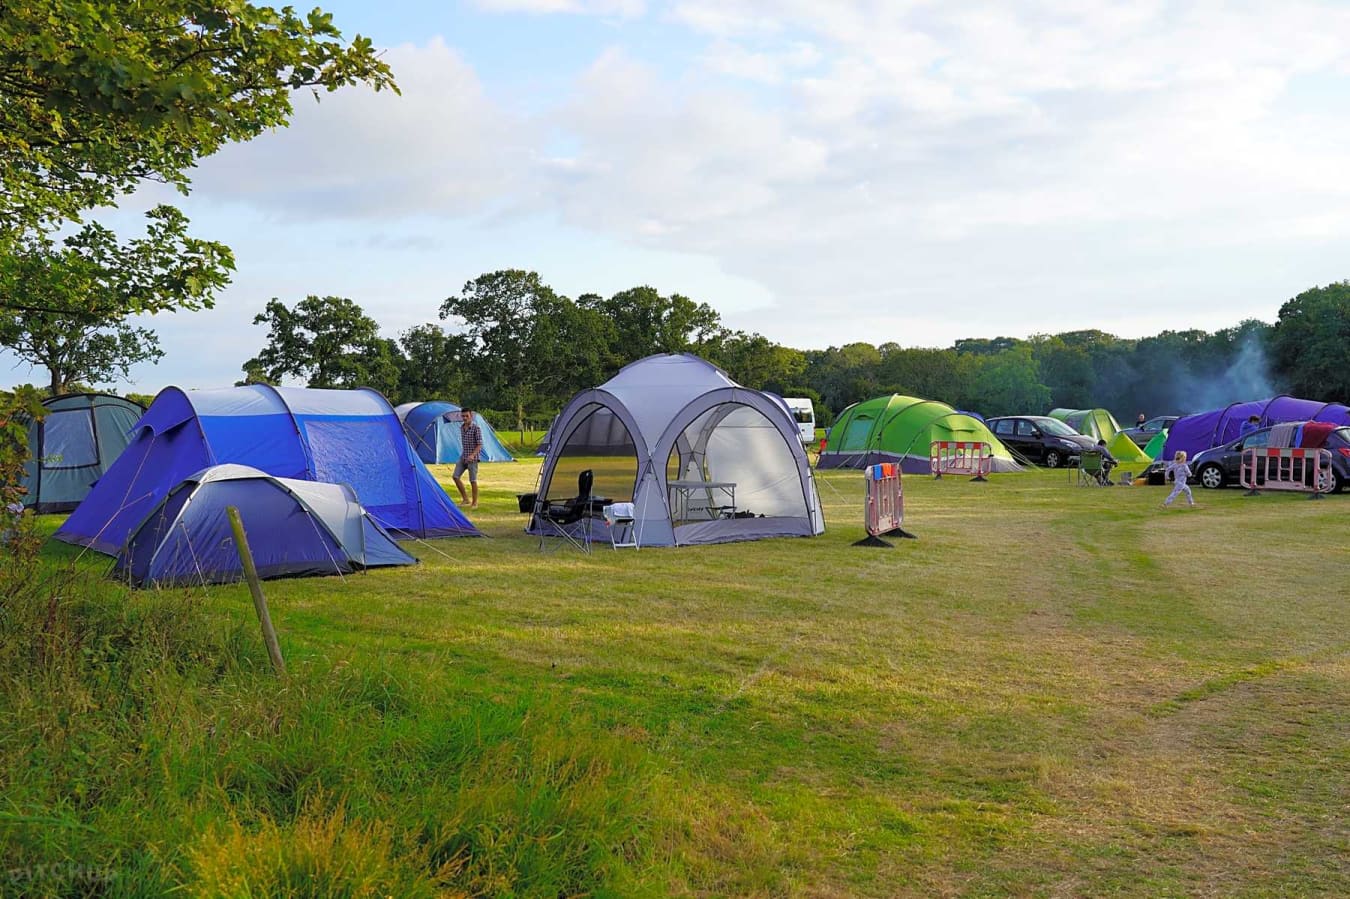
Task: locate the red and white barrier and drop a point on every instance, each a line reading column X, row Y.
column 1287, row 468
column 974, row 458
column 884, row 511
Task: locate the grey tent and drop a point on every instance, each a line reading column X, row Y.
column 71, row 448
column 295, row 528
column 702, row 459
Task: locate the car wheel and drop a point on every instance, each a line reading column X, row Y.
column 1331, row 482
column 1052, row 459
column 1211, row 476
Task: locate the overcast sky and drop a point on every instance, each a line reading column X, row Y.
column 820, row 171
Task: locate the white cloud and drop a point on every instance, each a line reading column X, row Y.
column 441, row 146
column 996, row 163
column 620, row 8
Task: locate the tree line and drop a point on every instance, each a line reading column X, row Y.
column 509, row 342
column 99, row 98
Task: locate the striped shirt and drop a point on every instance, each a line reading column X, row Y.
column 471, row 441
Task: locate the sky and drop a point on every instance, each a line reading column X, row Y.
column 819, row 171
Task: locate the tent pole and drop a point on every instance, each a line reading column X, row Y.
column 255, row 587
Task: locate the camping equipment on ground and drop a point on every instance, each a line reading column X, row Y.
column 556, row 519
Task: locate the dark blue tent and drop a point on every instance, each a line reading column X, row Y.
column 433, row 431
column 347, row 437
column 294, row 528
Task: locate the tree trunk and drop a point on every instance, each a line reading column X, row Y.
column 58, row 385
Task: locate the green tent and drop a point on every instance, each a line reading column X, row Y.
column 1098, row 424
column 899, row 429
column 1155, row 446
column 1127, row 452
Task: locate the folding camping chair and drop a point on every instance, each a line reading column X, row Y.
column 556, row 519
column 622, row 521
column 1090, row 469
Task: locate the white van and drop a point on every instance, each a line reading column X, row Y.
column 805, row 416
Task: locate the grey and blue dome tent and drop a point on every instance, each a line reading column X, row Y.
column 73, row 446
column 347, row 437
column 436, row 438
column 702, row 459
column 295, row 528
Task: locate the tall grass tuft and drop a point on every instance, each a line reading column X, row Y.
column 142, row 734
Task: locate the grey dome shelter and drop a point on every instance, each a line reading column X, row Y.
column 702, row 458
column 73, row 446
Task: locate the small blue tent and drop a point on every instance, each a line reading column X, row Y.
column 294, row 528
column 436, row 438
column 73, row 446
column 347, row 437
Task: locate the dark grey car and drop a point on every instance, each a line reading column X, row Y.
column 1142, row 434
column 1041, row 439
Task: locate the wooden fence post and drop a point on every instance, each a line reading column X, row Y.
column 255, row 587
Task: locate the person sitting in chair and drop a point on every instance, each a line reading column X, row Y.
column 1108, row 462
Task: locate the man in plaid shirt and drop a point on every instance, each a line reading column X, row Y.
column 471, row 448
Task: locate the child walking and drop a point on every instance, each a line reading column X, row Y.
column 1179, row 471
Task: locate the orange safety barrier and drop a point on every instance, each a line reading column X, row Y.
column 960, row 457
column 1287, row 468
column 884, row 512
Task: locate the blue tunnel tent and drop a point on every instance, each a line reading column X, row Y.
column 295, row 528
column 347, row 437
column 73, row 446
column 436, row 438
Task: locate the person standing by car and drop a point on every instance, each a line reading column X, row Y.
column 1139, row 422
column 1252, row 423
column 1179, row 471
column 470, row 449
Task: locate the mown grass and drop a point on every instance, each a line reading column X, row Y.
column 1054, row 691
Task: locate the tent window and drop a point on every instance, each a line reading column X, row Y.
column 598, row 441
column 68, row 439
column 859, row 426
column 736, row 444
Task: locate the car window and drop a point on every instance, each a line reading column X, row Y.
column 1025, row 428
column 1260, row 438
column 1056, row 428
column 1003, row 426
column 1155, row 424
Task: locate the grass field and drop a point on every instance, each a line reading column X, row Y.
column 1054, row 691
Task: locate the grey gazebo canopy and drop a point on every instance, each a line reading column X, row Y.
column 702, row 459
